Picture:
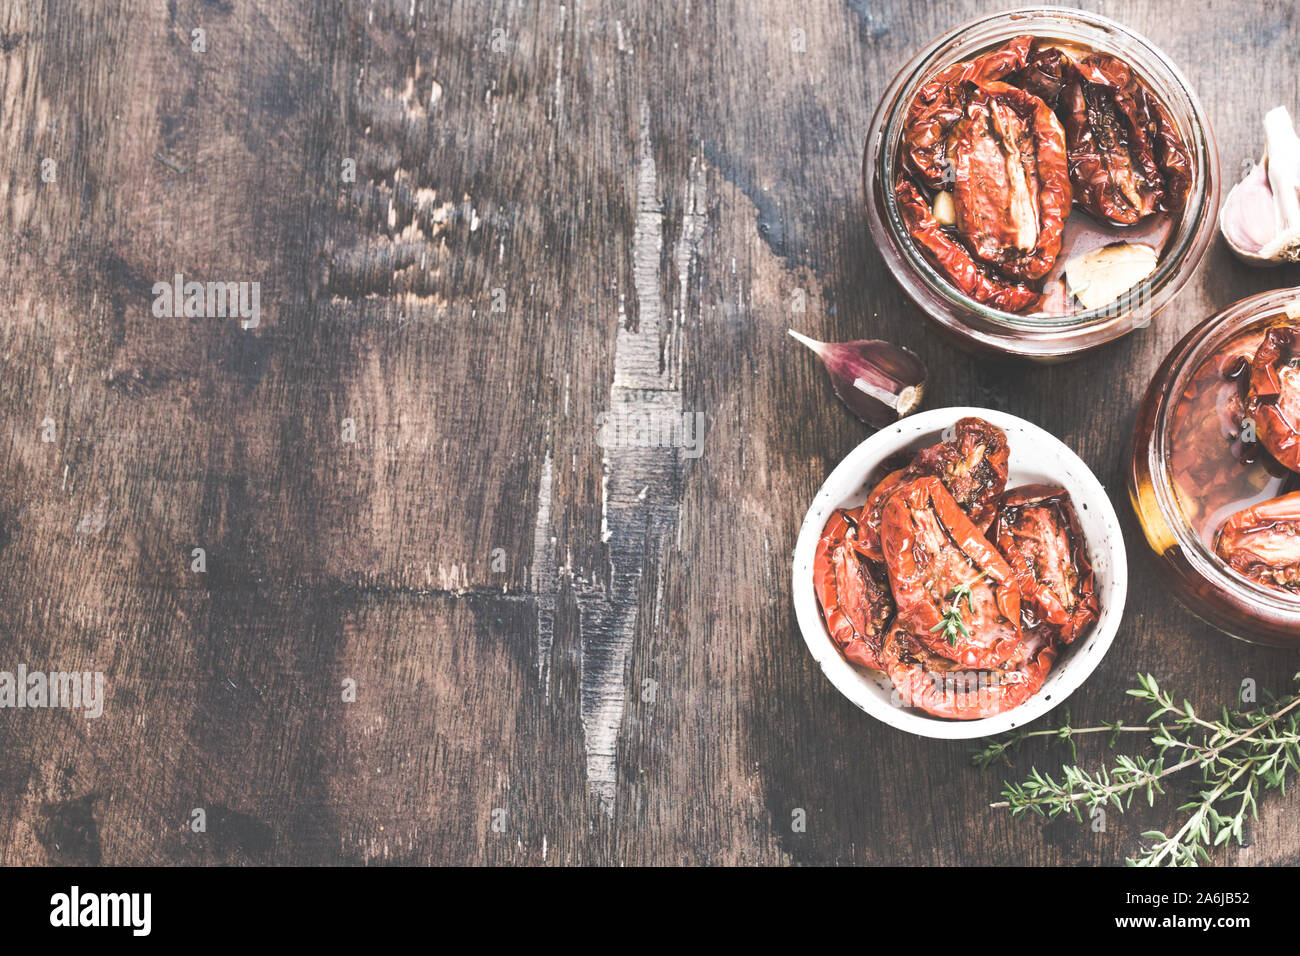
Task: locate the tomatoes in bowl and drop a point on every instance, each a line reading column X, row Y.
column 1017, row 660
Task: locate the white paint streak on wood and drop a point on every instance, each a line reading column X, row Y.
column 605, row 533
column 94, row 521
column 688, row 243
column 559, row 71
column 545, row 576
column 645, row 354
column 640, row 486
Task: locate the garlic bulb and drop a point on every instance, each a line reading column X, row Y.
column 1260, row 218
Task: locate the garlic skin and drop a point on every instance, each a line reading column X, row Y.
column 1260, row 218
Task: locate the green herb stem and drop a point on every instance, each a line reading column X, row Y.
column 1251, row 751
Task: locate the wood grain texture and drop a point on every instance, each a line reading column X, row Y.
column 564, row 653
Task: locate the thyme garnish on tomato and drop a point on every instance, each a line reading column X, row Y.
column 951, row 623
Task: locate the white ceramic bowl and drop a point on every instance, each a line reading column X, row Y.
column 1036, row 458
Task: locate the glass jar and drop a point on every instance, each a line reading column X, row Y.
column 1184, row 480
column 1045, row 338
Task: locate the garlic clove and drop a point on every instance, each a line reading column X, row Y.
column 1101, row 276
column 879, row 382
column 1247, row 216
column 944, row 210
column 1260, row 218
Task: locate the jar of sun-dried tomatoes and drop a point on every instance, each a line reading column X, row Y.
column 1063, row 316
column 1197, row 462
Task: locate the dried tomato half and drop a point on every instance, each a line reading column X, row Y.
column 1044, row 75
column 941, row 568
column 940, row 102
column 869, row 536
column 1012, row 191
column 945, row 689
column 972, row 466
column 1114, row 129
column 1274, row 399
column 1038, row 533
column 853, row 592
column 1263, row 543
column 1171, row 152
column 953, row 259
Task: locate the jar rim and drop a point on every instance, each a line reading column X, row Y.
column 1184, row 251
column 1187, row 357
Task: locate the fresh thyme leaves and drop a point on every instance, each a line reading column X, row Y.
column 951, row 622
column 963, row 591
column 1239, row 754
column 952, row 625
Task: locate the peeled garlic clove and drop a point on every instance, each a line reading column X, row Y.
column 944, row 210
column 879, row 382
column 1101, row 276
column 1260, row 219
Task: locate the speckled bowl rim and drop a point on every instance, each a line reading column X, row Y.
column 1036, row 456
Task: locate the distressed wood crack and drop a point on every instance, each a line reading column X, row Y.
column 641, row 485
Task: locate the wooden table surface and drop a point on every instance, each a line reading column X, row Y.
column 476, row 228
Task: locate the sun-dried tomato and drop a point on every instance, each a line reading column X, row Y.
column 869, row 536
column 1038, row 533
column 1012, row 192
column 940, row 566
column 1043, row 75
column 972, row 466
column 945, row 689
column 853, row 592
column 1263, row 543
column 1007, row 143
column 940, row 102
column 1172, row 157
column 1217, row 463
column 1274, row 399
column 1127, row 158
column 954, row 260
column 962, row 629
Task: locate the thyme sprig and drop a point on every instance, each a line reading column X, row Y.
column 1239, row 754
column 951, row 622
column 1065, row 733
